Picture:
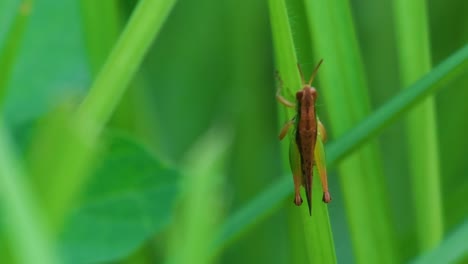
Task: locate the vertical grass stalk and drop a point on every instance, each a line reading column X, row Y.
column 29, row 238
column 121, row 65
column 317, row 230
column 415, row 61
column 201, row 195
column 101, row 23
column 342, row 81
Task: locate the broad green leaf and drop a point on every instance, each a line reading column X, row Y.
column 128, row 200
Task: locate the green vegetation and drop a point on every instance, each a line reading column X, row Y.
column 146, row 131
column 415, row 61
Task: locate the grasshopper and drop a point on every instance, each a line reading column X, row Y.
column 306, row 147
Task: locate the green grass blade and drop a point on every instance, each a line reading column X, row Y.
column 68, row 153
column 9, row 49
column 194, row 228
column 285, row 54
column 448, row 70
column 29, row 239
column 317, row 229
column 342, row 82
column 101, row 23
column 124, row 60
column 78, row 139
column 264, row 204
column 254, row 212
column 453, row 249
column 415, row 61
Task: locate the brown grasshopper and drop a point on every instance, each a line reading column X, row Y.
column 306, row 149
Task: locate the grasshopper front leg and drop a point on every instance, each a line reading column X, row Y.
column 286, row 103
column 279, row 97
column 285, row 128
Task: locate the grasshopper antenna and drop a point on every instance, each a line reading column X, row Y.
column 313, row 73
column 302, row 75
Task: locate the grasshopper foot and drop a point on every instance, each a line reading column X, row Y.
column 298, row 200
column 326, row 197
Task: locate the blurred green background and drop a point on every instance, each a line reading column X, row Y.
column 194, row 137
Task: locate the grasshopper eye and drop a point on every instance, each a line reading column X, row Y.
column 314, row 92
column 299, row 95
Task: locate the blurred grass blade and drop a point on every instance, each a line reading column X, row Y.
column 77, row 143
column 24, row 223
column 415, row 61
column 448, row 70
column 201, row 197
column 254, row 212
column 264, row 204
column 9, row 49
column 57, row 133
column 125, row 58
column 285, row 55
column 342, row 82
column 102, row 25
column 453, row 249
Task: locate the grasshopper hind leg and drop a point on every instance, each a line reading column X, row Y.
column 295, row 164
column 297, row 190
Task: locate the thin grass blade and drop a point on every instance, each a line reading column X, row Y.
column 29, row 236
column 415, row 61
column 342, row 81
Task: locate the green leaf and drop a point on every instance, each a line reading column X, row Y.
column 128, row 201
